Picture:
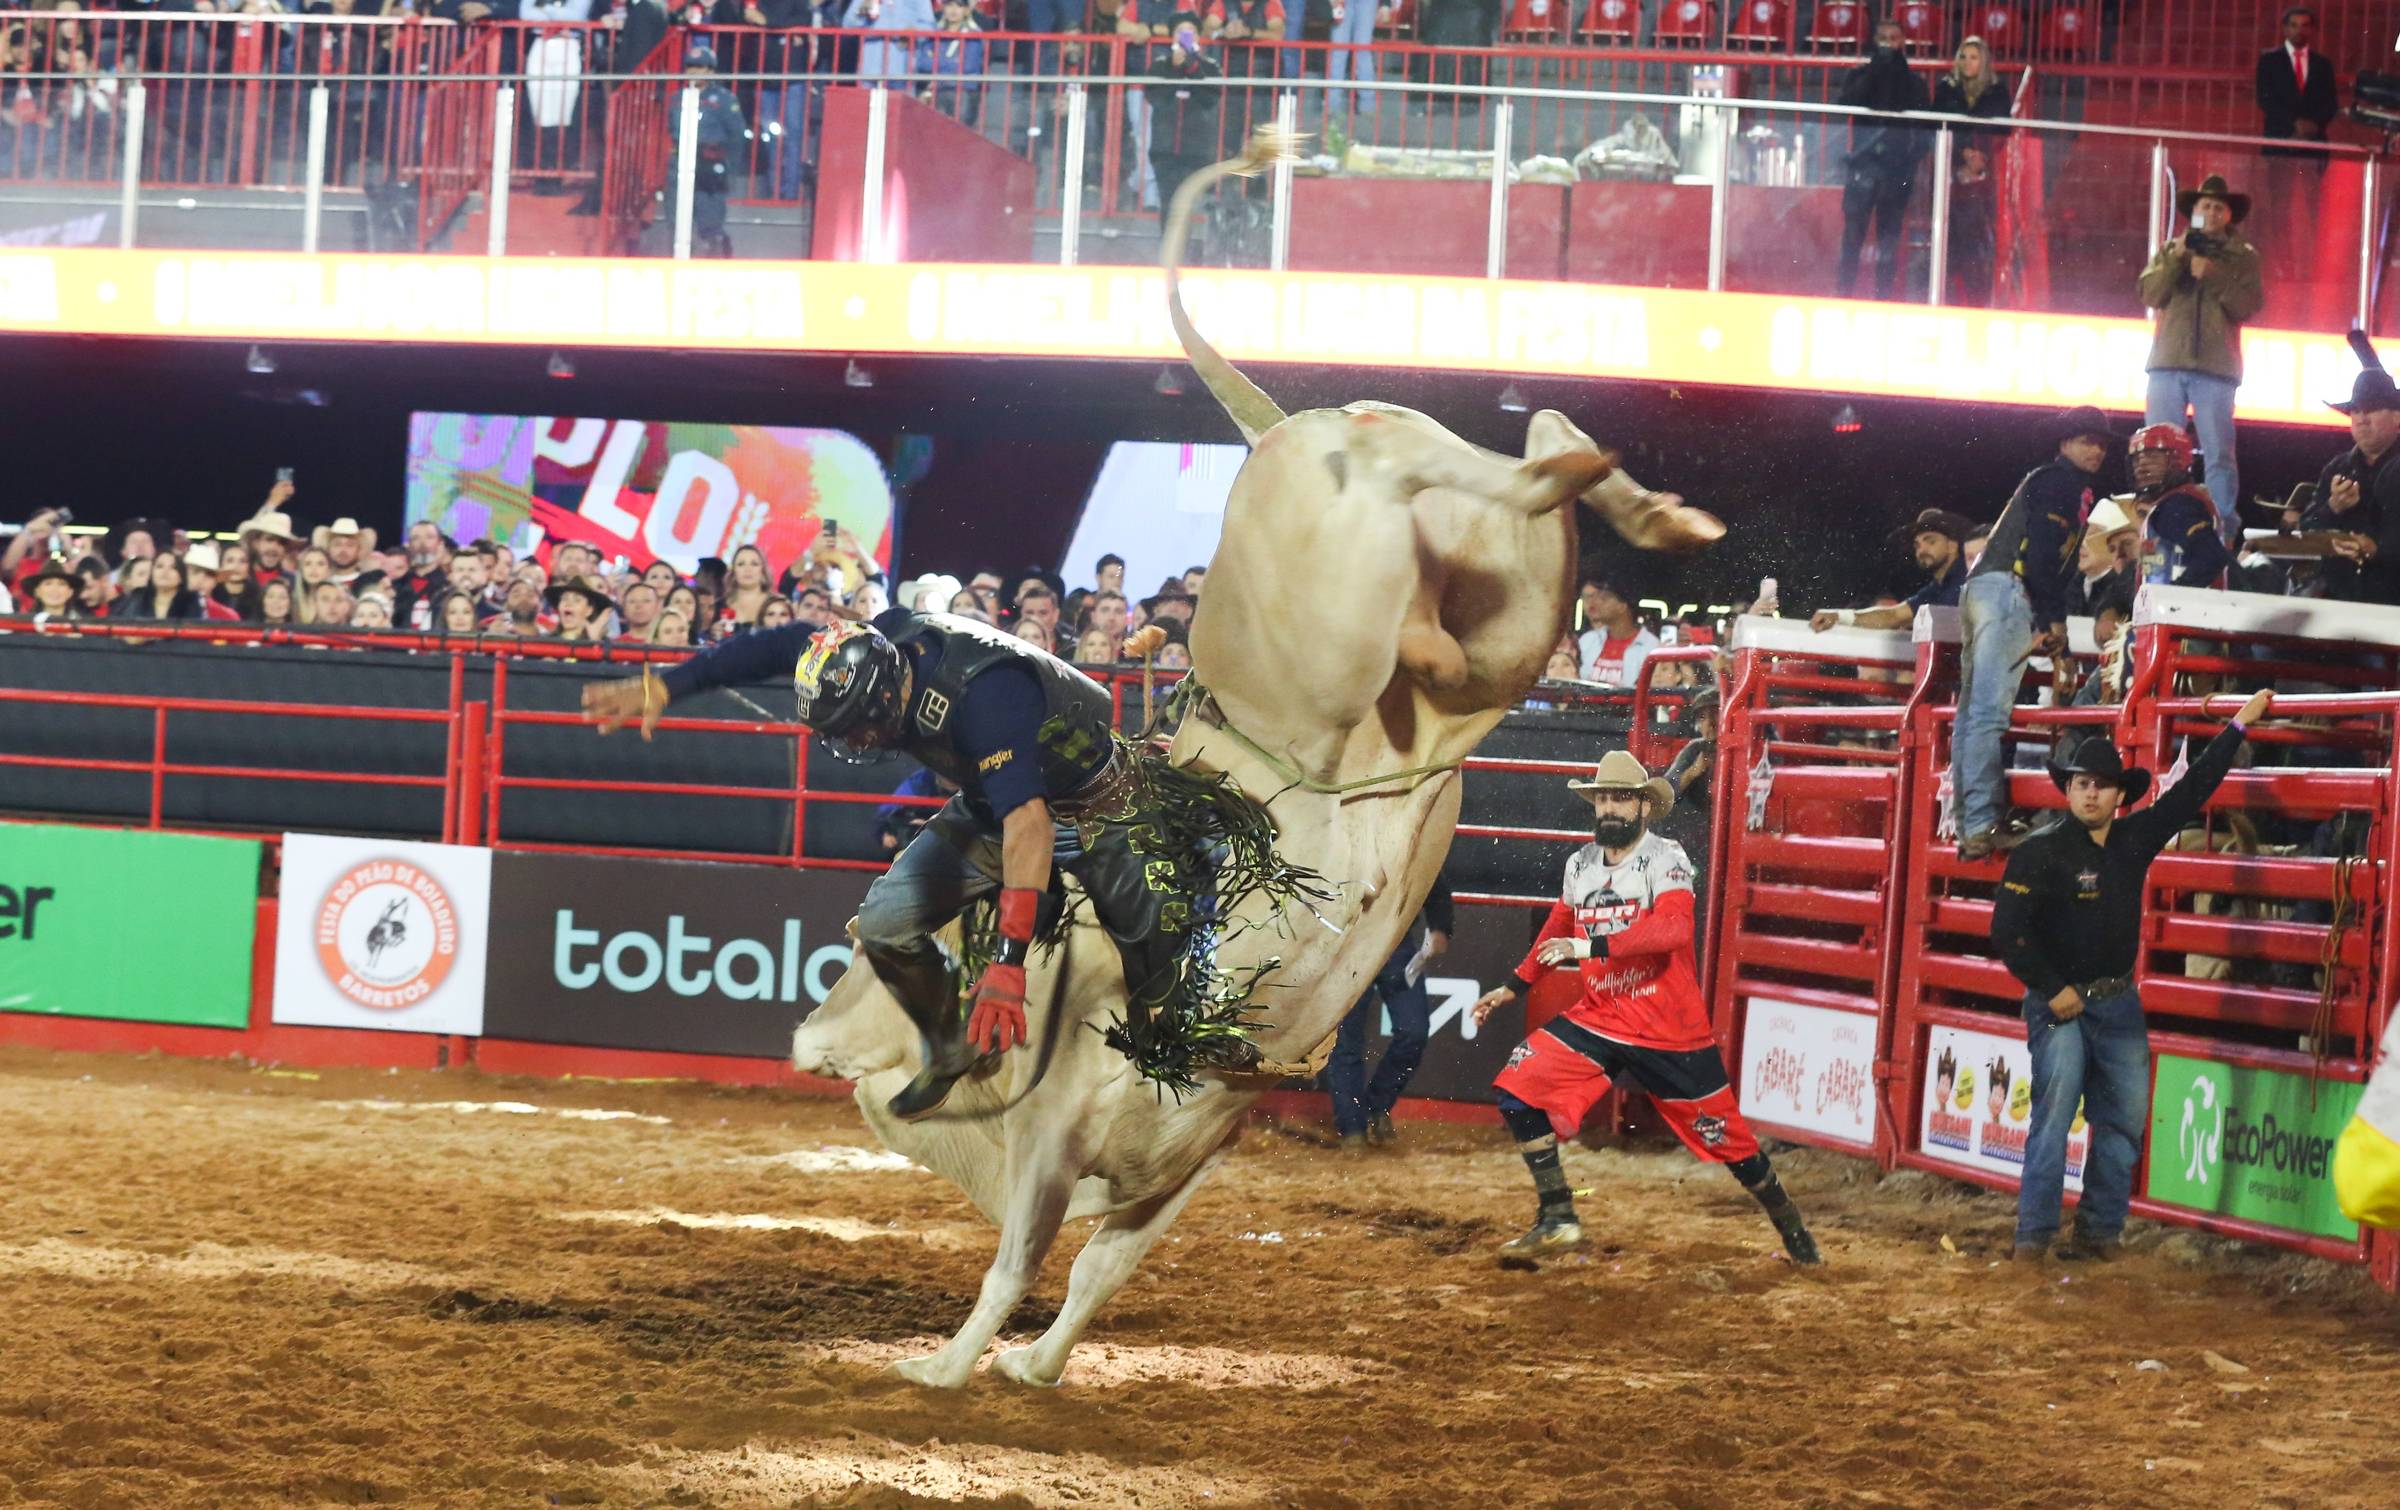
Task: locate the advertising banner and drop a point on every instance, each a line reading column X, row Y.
column 664, row 955
column 646, row 490
column 1460, row 1058
column 377, row 933
column 1978, row 1105
column 120, row 923
column 2250, row 1143
column 1810, row 1069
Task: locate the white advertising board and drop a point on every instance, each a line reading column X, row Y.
column 1977, row 1106
column 1810, row 1069
column 376, row 933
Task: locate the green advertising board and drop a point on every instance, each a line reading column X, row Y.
column 2249, row 1143
column 148, row 927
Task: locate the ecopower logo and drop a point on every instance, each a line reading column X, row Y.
column 2249, row 1142
column 2200, row 1137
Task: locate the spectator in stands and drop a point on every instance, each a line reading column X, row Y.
column 1108, row 575
column 1034, row 632
column 722, row 134
column 415, row 592
column 748, row 591
column 455, row 614
column 2109, row 558
column 201, row 569
column 1882, row 169
column 1186, row 108
column 2204, row 283
column 470, row 573
column 1563, row 666
column 1172, row 607
column 137, row 539
column 637, row 610
column 2067, row 922
column 662, row 579
column 94, row 591
column 1611, row 651
column 372, row 611
column 1036, row 601
column 1106, row 613
column 1194, row 578
column 2179, row 541
column 52, row 589
column 312, row 566
column 671, row 629
column 897, row 822
column 1094, row 648
column 2295, row 86
column 871, row 600
column 582, row 608
column 2012, row 608
column 685, row 601
column 1937, row 538
column 1362, row 1108
column 331, row 605
column 346, row 548
column 32, row 547
column 887, row 61
column 268, row 536
column 954, row 61
column 234, row 590
column 524, row 616
column 572, row 560
column 811, row 604
column 1972, row 88
column 1175, row 655
column 275, row 601
column 166, row 596
column 967, row 605
column 2358, row 496
column 985, row 585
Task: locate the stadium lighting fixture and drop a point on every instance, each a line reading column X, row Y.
column 561, row 365
column 259, row 361
column 855, row 376
column 1846, row 421
column 1169, row 381
column 1512, row 401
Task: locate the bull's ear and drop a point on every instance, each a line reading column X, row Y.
column 851, row 928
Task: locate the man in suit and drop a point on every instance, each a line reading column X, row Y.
column 2295, row 86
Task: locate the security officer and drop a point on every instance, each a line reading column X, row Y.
column 1042, row 785
column 722, row 132
column 2067, row 923
column 2180, row 542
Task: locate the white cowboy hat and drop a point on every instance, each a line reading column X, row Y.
column 1618, row 771
column 2109, row 516
column 343, row 526
column 930, row 593
column 270, row 522
column 202, row 557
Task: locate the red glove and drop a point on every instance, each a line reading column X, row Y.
column 998, row 1021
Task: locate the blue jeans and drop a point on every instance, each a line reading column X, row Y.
column 1050, row 16
column 2102, row 1060
column 1355, row 1098
column 2210, row 399
column 1356, row 25
column 1996, row 619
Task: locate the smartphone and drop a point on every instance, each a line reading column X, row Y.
column 283, row 476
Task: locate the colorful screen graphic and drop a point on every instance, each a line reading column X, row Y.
column 646, row 490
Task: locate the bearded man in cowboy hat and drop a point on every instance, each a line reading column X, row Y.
column 269, row 536
column 2067, row 923
column 2358, row 497
column 2204, row 283
column 1623, row 921
column 1936, row 539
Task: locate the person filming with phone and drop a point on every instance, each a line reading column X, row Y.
column 1186, row 108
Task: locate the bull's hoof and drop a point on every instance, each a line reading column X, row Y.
column 933, row 1371
column 1019, row 1363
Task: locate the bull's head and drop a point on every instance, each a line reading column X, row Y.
column 857, row 1030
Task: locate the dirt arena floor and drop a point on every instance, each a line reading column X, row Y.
column 235, row 1286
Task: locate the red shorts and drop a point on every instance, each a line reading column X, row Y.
column 1566, row 1068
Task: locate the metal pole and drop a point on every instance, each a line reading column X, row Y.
column 312, row 202
column 687, row 169
column 129, row 201
column 1070, row 179
column 2366, row 245
column 1279, row 185
column 1719, row 192
column 2158, row 197
column 504, row 162
column 1938, row 252
column 870, row 209
column 1495, row 245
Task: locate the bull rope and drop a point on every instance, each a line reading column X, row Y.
column 1191, row 697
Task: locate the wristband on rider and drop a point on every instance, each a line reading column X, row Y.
column 1845, row 617
column 1019, row 907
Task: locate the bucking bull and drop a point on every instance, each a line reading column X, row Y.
column 1383, row 593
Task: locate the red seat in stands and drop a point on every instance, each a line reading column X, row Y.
column 1610, row 21
column 2072, row 30
column 2000, row 29
column 1531, row 20
column 1840, row 25
column 1688, row 23
column 1760, row 23
column 1922, row 27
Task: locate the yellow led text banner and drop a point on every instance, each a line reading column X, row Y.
column 1456, row 324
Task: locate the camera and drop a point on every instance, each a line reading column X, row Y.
column 2202, row 244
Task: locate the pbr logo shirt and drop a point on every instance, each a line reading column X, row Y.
column 1646, row 989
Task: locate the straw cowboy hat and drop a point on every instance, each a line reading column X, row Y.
column 270, row 522
column 202, row 557
column 2109, row 517
column 1618, row 771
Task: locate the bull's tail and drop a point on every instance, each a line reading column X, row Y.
column 1253, row 412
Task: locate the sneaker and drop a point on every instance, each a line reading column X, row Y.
column 1352, row 1143
column 1379, row 1129
column 1551, row 1233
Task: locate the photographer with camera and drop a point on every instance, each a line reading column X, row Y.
column 2204, row 284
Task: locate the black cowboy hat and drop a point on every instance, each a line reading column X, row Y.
column 2213, row 187
column 2075, row 423
column 2374, row 389
column 585, row 588
column 53, row 570
column 1937, row 522
column 2096, row 756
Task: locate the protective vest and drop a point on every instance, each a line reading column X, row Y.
column 2162, row 560
column 949, row 652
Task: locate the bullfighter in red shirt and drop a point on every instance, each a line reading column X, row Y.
column 1624, row 918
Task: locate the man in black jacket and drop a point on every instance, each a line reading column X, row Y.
column 2067, row 923
column 1882, row 171
column 2358, row 495
column 2296, row 97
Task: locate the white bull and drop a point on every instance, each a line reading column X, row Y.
column 1384, row 592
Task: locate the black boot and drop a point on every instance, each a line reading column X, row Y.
column 1795, row 1234
column 945, row 1053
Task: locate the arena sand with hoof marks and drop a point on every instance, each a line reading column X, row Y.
column 234, row 1286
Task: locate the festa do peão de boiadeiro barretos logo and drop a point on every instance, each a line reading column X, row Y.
column 387, row 934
